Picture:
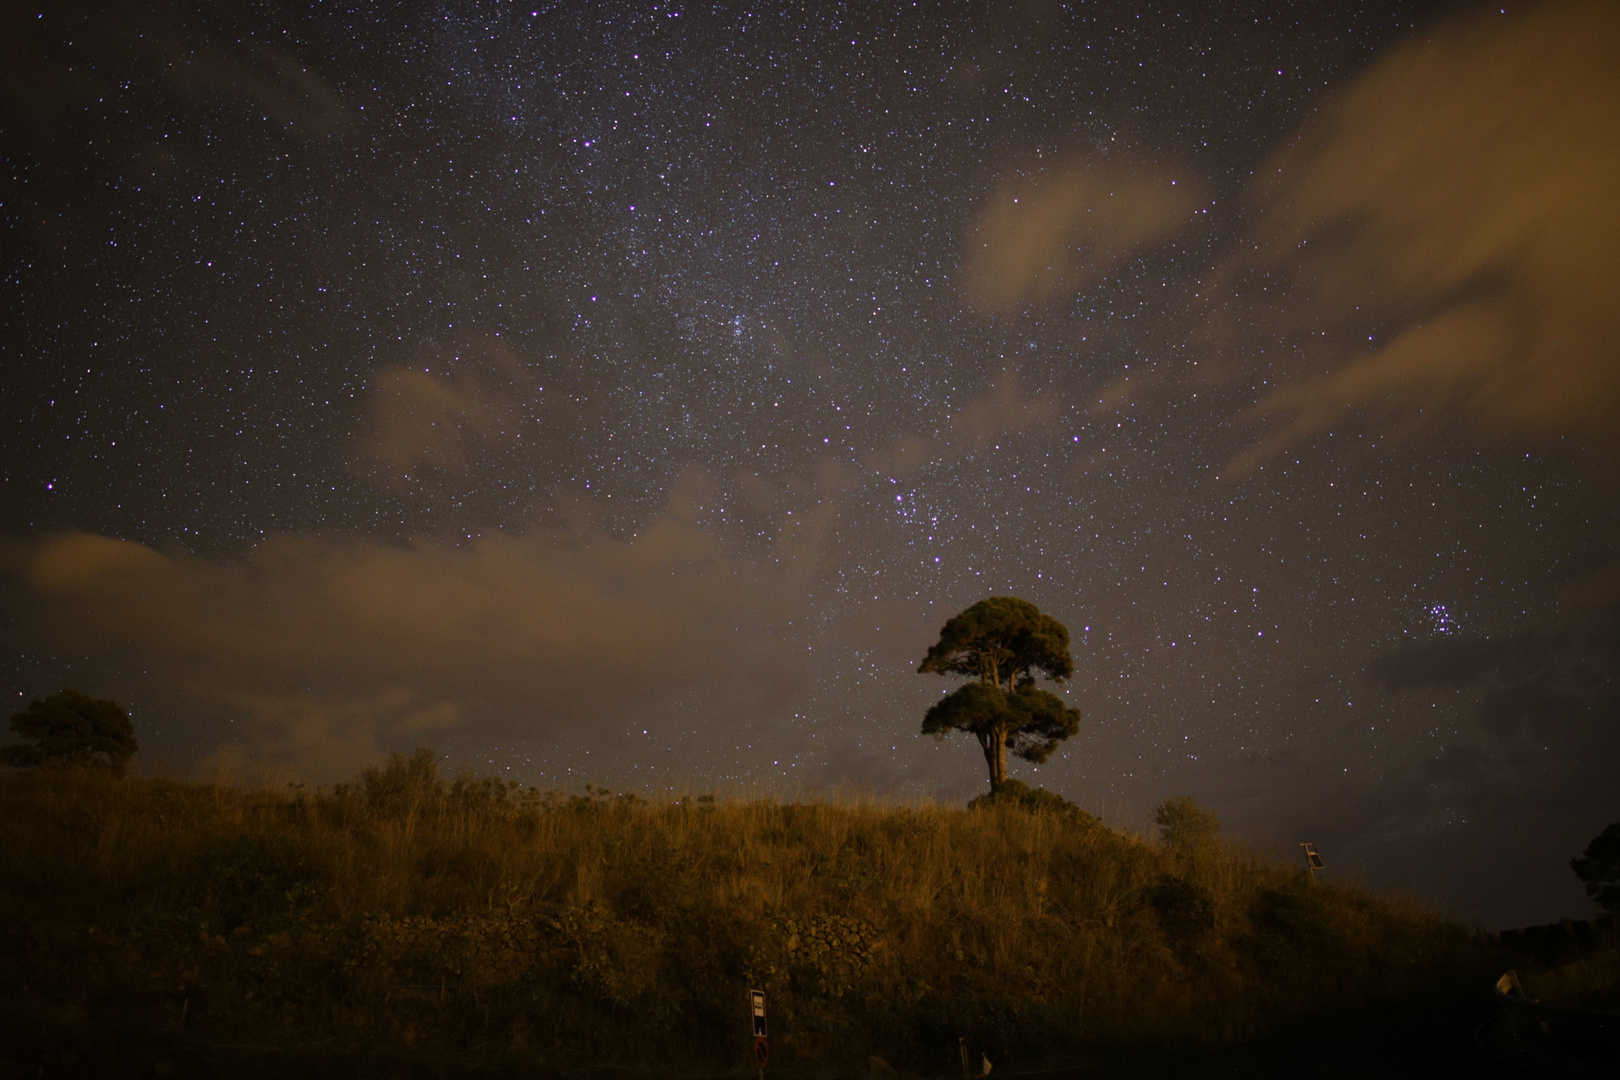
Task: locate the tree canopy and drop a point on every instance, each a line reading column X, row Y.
column 1001, row 642
column 71, row 728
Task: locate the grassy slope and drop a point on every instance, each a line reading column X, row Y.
column 405, row 911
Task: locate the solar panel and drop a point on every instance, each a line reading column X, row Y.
column 1313, row 861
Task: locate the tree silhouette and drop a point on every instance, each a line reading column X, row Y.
column 1599, row 869
column 71, row 728
column 1000, row 642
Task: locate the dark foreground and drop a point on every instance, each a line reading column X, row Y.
column 1437, row 1038
column 1458, row 1037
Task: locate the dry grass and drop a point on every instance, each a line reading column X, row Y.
column 1590, row 981
column 403, row 910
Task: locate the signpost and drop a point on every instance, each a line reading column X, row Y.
column 1313, row 861
column 762, row 1046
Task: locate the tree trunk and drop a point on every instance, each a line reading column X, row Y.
column 995, row 746
column 995, row 756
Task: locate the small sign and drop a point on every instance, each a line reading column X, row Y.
column 762, row 1051
column 756, row 999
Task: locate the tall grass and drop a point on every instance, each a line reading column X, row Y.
column 407, row 910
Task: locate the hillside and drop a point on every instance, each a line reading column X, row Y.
column 475, row 922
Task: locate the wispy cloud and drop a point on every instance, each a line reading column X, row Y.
column 56, row 60
column 1052, row 232
column 426, row 420
column 1452, row 225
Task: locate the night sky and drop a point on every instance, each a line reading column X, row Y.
column 626, row 394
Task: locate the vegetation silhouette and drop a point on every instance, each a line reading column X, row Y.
column 1598, row 867
column 71, row 729
column 1000, row 642
column 408, row 914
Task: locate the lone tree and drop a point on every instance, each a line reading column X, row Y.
column 1001, row 642
column 69, row 729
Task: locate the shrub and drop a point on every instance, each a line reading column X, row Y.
column 1185, row 827
column 1020, row 796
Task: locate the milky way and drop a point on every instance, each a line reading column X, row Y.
column 628, row 394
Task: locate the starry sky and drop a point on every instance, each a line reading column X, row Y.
column 627, row 393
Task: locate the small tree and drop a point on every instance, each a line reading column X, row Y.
column 1599, row 869
column 1002, row 641
column 70, row 729
column 1185, row 827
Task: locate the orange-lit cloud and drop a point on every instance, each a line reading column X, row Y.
column 1051, row 233
column 325, row 652
column 1461, row 201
